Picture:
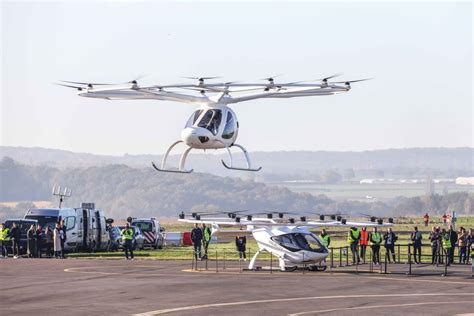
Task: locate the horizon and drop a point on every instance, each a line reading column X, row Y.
column 215, row 152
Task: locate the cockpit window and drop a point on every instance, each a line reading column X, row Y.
column 211, row 120
column 299, row 241
column 193, row 118
column 230, row 127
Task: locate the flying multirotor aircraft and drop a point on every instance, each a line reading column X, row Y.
column 288, row 239
column 214, row 125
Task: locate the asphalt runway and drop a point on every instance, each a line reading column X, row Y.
column 146, row 287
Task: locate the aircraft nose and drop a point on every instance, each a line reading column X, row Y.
column 193, row 136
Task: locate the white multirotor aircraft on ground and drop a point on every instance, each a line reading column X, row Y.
column 214, row 125
column 288, row 239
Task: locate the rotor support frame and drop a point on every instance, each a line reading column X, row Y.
column 247, row 159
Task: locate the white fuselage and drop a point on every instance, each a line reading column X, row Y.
column 211, row 127
column 288, row 244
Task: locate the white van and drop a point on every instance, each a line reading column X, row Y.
column 86, row 227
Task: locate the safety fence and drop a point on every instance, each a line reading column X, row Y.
column 340, row 260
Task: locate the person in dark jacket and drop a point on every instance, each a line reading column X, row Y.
column 453, row 238
column 63, row 239
column 434, row 241
column 416, row 238
column 49, row 235
column 15, row 234
column 196, row 237
column 390, row 238
column 40, row 241
column 470, row 243
column 240, row 244
column 31, row 242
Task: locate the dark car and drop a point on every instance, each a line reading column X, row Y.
column 138, row 238
column 24, row 225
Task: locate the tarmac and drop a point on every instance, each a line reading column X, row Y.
column 155, row 287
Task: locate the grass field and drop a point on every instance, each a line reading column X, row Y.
column 226, row 250
column 379, row 191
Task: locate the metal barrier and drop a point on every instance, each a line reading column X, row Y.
column 338, row 261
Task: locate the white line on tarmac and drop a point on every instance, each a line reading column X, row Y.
column 376, row 306
column 193, row 307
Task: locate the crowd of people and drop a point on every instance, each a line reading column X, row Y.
column 48, row 242
column 443, row 244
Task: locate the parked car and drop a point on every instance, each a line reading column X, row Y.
column 138, row 240
column 115, row 238
column 151, row 230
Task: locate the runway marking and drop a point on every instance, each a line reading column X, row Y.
column 193, row 307
column 125, row 272
column 375, row 306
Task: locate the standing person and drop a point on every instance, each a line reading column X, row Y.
column 426, row 219
column 4, row 240
column 325, row 238
column 196, row 237
column 469, row 243
column 206, row 238
column 57, row 241
column 39, row 241
column 446, row 244
column 49, row 239
column 445, row 219
column 434, row 240
column 462, row 244
column 63, row 239
column 375, row 241
column 416, row 238
column 364, row 241
column 390, row 238
column 31, row 241
column 240, row 244
column 453, row 238
column 127, row 239
column 353, row 237
column 15, row 234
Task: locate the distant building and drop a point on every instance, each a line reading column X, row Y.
column 465, row 180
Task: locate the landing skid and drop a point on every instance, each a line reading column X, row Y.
column 170, row 170
column 182, row 161
column 249, row 166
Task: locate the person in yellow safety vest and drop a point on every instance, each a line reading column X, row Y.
column 127, row 240
column 375, row 239
column 206, row 240
column 446, row 242
column 4, row 239
column 353, row 238
column 325, row 238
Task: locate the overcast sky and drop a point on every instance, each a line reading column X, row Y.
column 419, row 54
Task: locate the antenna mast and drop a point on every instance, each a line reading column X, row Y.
column 61, row 194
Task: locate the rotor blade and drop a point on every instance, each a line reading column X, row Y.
column 87, row 83
column 351, row 81
column 330, row 77
column 272, row 77
column 67, row 86
column 201, row 78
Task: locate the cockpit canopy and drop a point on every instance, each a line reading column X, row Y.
column 212, row 119
column 300, row 241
